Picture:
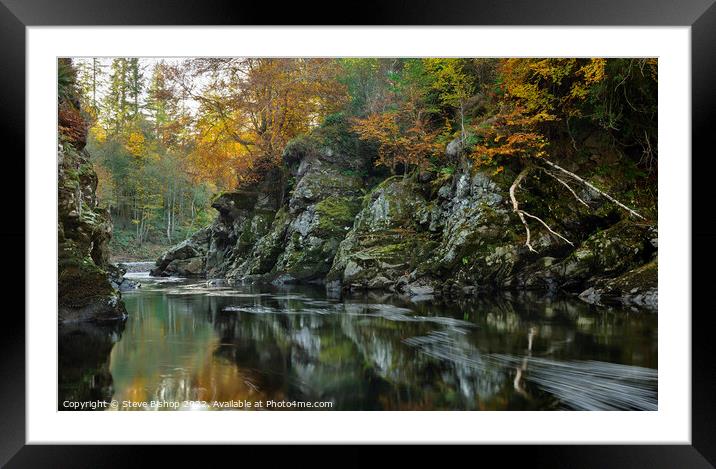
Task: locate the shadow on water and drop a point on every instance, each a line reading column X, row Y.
column 185, row 341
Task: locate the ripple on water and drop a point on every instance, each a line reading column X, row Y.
column 579, row 385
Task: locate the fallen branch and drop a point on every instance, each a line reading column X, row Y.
column 547, row 226
column 522, row 214
column 569, row 188
column 516, row 206
column 588, row 184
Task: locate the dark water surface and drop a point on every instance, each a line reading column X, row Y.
column 185, row 341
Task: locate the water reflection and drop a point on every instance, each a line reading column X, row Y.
column 83, row 361
column 185, row 341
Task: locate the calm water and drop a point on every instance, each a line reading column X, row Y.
column 185, row 341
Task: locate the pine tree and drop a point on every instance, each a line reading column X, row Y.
column 116, row 99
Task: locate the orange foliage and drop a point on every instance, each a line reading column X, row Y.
column 411, row 147
column 72, row 126
column 535, row 92
column 253, row 107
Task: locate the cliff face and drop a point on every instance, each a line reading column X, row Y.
column 451, row 233
column 85, row 276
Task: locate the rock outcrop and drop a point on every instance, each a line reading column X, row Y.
column 85, row 291
column 458, row 234
column 285, row 228
column 445, row 233
column 306, row 233
column 186, row 259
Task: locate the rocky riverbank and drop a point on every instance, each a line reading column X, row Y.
column 325, row 218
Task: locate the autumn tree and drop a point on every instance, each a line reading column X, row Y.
column 401, row 140
column 249, row 108
column 535, row 96
column 140, row 143
column 454, row 86
column 401, row 125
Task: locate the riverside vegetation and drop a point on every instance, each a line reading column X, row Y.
column 445, row 180
column 529, row 190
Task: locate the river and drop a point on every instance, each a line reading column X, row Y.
column 189, row 346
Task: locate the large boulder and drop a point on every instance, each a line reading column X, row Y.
column 186, row 259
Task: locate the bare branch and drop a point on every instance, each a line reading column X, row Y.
column 568, row 188
column 547, row 226
column 522, row 214
column 591, row 186
column 516, row 206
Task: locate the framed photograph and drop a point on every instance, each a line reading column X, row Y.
column 465, row 222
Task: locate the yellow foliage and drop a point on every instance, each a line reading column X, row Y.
column 135, row 143
column 531, row 98
column 98, row 133
column 254, row 108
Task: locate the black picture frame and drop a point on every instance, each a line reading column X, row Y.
column 700, row 15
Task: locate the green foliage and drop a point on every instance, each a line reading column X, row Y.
column 300, row 147
column 366, row 82
column 139, row 149
column 446, row 170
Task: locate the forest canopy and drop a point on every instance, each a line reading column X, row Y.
column 166, row 135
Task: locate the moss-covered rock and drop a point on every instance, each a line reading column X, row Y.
column 85, row 291
column 386, row 242
column 321, row 209
column 449, row 232
column 606, row 254
column 244, row 217
column 286, row 227
column 336, row 215
column 264, row 253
